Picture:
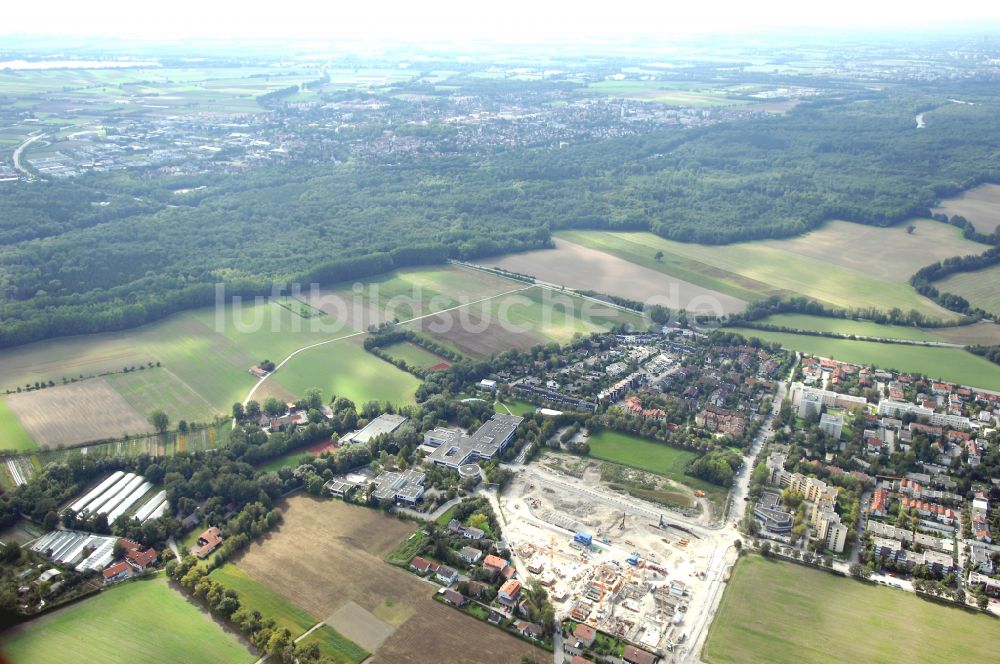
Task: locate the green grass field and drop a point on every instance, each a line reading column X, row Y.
column 980, row 288
column 287, row 615
column 951, row 364
column 861, row 328
column 676, row 93
column 414, row 355
column 779, row 612
column 343, row 368
column 824, row 264
column 514, row 407
column 12, row 435
column 140, row 621
column 644, row 454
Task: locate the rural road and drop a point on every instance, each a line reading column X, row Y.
column 20, row 148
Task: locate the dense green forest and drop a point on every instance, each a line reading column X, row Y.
column 111, row 251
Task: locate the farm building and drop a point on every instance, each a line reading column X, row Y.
column 118, row 572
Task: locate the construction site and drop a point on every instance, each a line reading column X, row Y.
column 624, row 566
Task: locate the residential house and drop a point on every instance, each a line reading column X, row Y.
column 584, row 635
column 446, row 575
column 208, row 542
column 470, row 555
column 454, row 598
column 118, row 572
column 509, row 592
column 529, row 629
column 141, row 560
column 422, row 565
column 633, row 655
column 494, row 565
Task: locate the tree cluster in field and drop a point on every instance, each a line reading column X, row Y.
column 991, row 353
column 72, row 267
column 387, row 334
column 262, row 631
column 923, row 280
column 773, row 305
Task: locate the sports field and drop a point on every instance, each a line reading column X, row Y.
column 140, row 621
column 981, row 288
column 777, row 612
column 951, row 364
column 327, row 558
column 841, row 264
column 860, row 328
column 259, row 597
column 644, row 454
column 13, row 436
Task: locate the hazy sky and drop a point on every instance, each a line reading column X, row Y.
column 504, row 20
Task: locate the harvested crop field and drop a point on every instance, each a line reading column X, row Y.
column 476, row 335
column 982, row 333
column 327, row 555
column 981, row 287
column 841, row 264
column 583, row 268
column 77, row 413
column 980, row 205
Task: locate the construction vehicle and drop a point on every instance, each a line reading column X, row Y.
column 633, row 559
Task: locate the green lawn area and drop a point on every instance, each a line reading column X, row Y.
column 860, row 328
column 414, row 355
column 344, row 368
column 824, row 264
column 515, row 406
column 12, row 435
column 287, row 615
column 408, row 548
column 446, row 517
column 289, row 460
column 981, row 288
column 779, row 612
column 951, row 364
column 644, row 454
column 140, row 621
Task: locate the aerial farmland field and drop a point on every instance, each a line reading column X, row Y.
column 584, row 268
column 840, row 264
column 68, row 415
column 846, row 326
column 951, row 364
column 980, row 205
column 313, row 560
column 778, row 613
column 118, row 625
column 981, row 287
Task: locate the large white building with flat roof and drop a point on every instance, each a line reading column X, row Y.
column 454, row 448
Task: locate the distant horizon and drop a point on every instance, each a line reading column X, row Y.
column 513, row 22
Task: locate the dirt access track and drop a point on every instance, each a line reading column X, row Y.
column 326, row 556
